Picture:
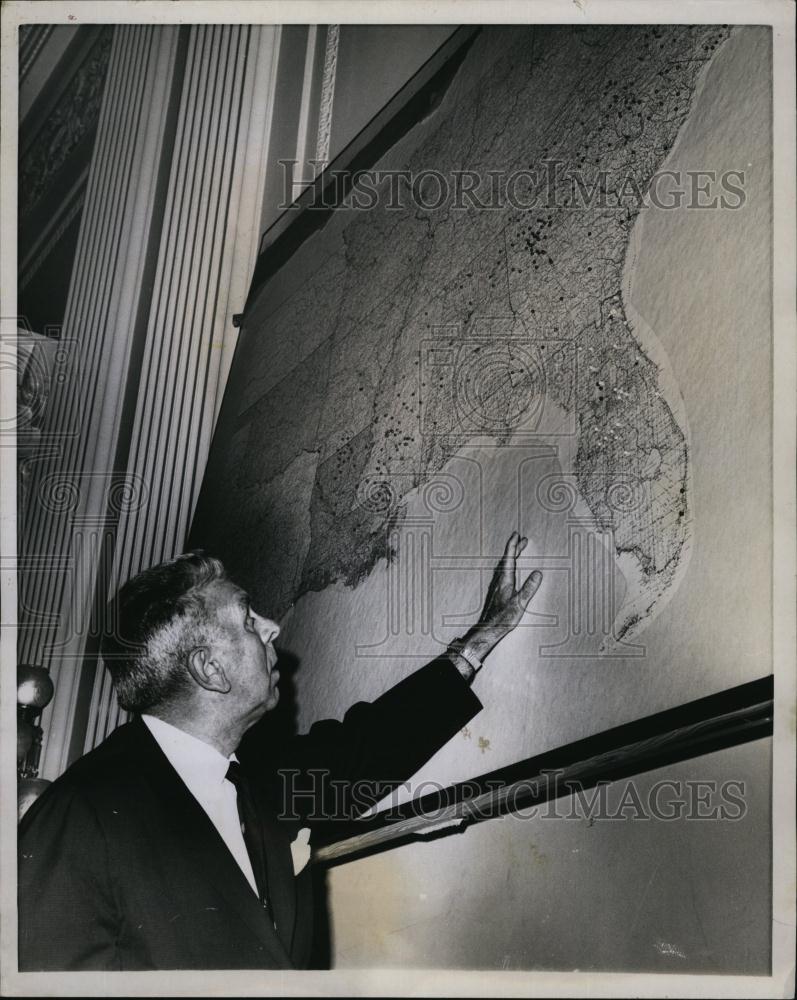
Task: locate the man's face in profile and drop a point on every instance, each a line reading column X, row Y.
column 244, row 646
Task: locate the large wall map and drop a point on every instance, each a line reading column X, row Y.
column 429, row 326
column 418, row 379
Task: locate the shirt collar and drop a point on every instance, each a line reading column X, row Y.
column 192, row 758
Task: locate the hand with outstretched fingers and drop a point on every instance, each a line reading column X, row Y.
column 505, row 603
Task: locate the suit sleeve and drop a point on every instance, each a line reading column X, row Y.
column 67, row 917
column 377, row 746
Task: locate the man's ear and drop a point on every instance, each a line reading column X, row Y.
column 207, row 672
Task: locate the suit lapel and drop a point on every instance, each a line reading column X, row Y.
column 200, row 840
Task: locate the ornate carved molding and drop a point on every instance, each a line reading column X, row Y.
column 74, row 116
column 327, row 93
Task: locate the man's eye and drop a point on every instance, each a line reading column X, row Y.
column 250, row 623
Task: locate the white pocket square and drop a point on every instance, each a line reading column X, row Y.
column 300, row 850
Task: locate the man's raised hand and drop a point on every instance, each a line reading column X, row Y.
column 505, row 603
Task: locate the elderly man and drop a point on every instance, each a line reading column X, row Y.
column 165, row 847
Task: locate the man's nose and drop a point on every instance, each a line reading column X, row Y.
column 269, row 630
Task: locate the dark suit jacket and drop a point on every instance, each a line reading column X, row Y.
column 120, row 868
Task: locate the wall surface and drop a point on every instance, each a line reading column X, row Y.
column 419, row 381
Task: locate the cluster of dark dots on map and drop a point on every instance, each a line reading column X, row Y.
column 624, row 114
column 534, row 239
column 626, row 109
column 714, row 40
column 339, row 470
column 391, row 430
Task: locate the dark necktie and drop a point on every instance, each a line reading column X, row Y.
column 250, row 828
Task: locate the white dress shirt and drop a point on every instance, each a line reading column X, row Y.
column 203, row 771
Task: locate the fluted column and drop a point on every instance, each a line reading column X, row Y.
column 72, row 478
column 205, row 258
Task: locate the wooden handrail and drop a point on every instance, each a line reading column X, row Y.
column 731, row 718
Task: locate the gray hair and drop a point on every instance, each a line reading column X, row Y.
column 153, row 624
